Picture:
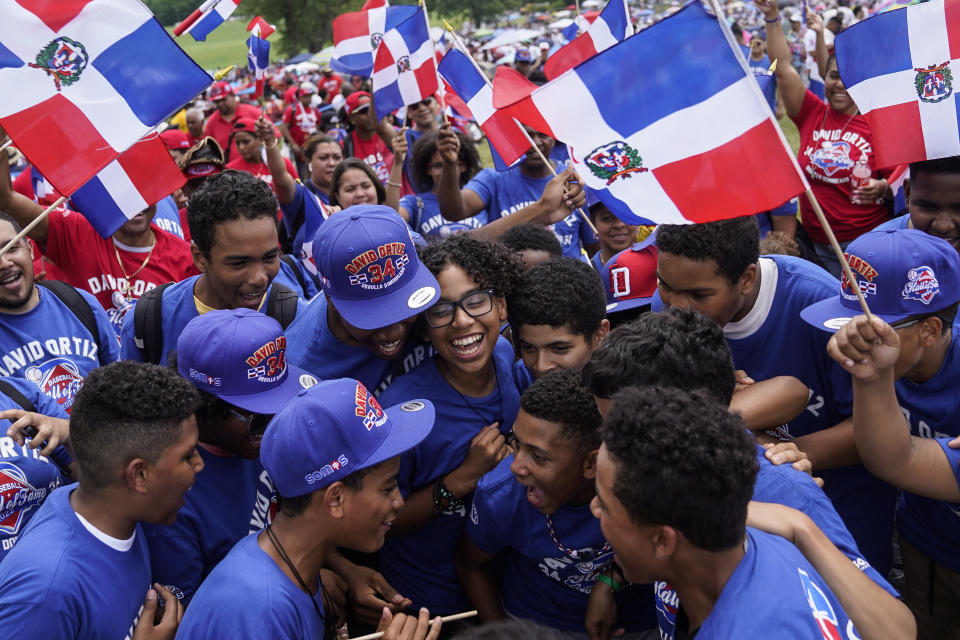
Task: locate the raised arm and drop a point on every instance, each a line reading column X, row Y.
column 283, row 182
column 455, row 203
column 790, row 83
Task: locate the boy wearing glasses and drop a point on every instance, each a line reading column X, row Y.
column 911, row 284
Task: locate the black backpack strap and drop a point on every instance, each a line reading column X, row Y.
column 14, row 394
column 148, row 324
column 282, row 304
column 78, row 305
column 292, row 263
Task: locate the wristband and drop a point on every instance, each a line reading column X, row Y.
column 443, row 495
column 772, row 20
column 610, row 582
column 394, row 184
column 273, row 146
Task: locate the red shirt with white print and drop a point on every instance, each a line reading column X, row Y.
column 261, row 170
column 301, row 121
column 375, row 153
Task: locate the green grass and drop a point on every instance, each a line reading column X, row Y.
column 226, row 45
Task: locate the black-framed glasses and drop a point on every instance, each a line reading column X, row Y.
column 256, row 422
column 473, row 304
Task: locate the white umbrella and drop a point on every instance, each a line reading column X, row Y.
column 511, row 36
column 323, row 56
column 562, row 23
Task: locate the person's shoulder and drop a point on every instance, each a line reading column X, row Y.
column 797, row 273
column 248, row 110
column 498, row 483
column 421, row 382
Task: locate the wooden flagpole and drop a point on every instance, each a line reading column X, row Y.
column 33, row 223
column 451, row 618
column 433, row 48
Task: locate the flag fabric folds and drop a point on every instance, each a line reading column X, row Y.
column 404, row 66
column 260, row 27
column 693, row 142
column 314, row 214
column 92, row 77
column 610, row 27
column 898, row 67
column 356, row 36
column 258, row 51
column 141, row 176
column 211, row 15
column 507, row 140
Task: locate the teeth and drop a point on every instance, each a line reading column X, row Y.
column 9, row 280
column 466, row 342
column 389, row 346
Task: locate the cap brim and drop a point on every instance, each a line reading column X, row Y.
column 624, row 305
column 831, row 315
column 271, row 401
column 411, row 422
column 382, row 311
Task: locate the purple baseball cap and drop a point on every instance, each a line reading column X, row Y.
column 370, row 269
column 335, row 428
column 239, row 355
column 901, row 272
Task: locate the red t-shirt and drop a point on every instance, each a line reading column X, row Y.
column 219, row 129
column 90, row 262
column 290, row 95
column 830, row 144
column 332, row 85
column 261, row 170
column 375, row 153
column 301, row 121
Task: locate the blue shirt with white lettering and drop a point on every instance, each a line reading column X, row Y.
column 61, row 581
column 232, row 498
column 420, row 564
column 168, row 217
column 49, row 346
column 426, row 219
column 539, row 581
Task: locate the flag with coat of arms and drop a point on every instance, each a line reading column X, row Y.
column 665, row 126
column 610, row 27
column 898, row 67
column 91, row 77
column 356, row 36
column 404, row 65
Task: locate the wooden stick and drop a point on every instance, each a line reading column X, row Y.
column 188, row 22
column 6, row 144
column 458, row 43
column 27, row 229
column 456, row 616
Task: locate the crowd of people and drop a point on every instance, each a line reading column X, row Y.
column 347, row 379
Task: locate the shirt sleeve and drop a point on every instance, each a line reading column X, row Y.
column 482, row 528
column 811, row 104
column 65, row 231
column 176, row 561
column 483, row 185
column 953, row 457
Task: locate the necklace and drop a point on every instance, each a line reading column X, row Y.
column 496, row 378
column 573, row 553
column 124, row 286
column 296, row 574
column 823, row 121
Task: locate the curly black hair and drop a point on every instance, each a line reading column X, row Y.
column 490, row 264
column 422, row 153
column 682, row 460
column 529, row 236
column 733, row 244
column 676, row 347
column 355, row 163
column 560, row 397
column 127, row 410
column 230, row 195
column 562, row 292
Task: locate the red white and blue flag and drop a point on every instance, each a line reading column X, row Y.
column 357, row 35
column 85, row 80
column 610, row 27
column 404, row 66
column 898, row 67
column 143, row 175
column 665, row 126
column 258, row 51
column 314, row 215
column 508, row 143
column 208, row 17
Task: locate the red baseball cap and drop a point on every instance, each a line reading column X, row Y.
column 175, row 139
column 306, row 89
column 357, row 100
column 220, row 90
column 630, row 277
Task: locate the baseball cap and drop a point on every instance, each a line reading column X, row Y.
column 306, row 89
column 357, row 100
column 203, row 159
column 175, row 139
column 901, row 273
column 245, row 124
column 523, row 55
column 630, row 277
column 220, row 90
column 239, row 355
column 370, row 268
column 336, row 428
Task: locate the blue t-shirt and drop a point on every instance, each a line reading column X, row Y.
column 933, row 411
column 506, row 192
column 287, row 276
column 51, row 348
column 295, row 208
column 522, row 376
column 168, row 217
column 953, row 456
column 177, row 309
column 26, row 477
column 538, row 580
column 248, row 596
column 426, row 219
column 63, row 582
column 900, row 222
column 420, row 564
column 232, row 498
column 313, row 347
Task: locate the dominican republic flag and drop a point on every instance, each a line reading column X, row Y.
column 508, row 142
column 258, row 53
column 91, row 77
column 404, row 66
column 260, row 27
column 42, row 189
column 143, row 175
column 610, row 27
column 315, row 213
column 898, row 68
column 665, row 125
column 208, row 17
column 357, row 35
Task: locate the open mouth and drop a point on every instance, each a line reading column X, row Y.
column 389, row 349
column 252, row 300
column 467, row 347
column 535, row 496
column 11, row 282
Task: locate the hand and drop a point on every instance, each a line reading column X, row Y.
column 406, row 627
column 55, row 431
column 369, row 594
column 775, row 518
column 487, row 449
column 788, row 453
column 742, row 380
column 335, row 598
column 562, row 195
column 148, row 627
column 448, row 144
column 601, row 613
column 400, row 146
column 814, row 22
column 769, row 8
column 870, row 193
column 865, row 350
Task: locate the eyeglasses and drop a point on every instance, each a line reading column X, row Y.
column 903, row 324
column 474, row 305
column 256, row 422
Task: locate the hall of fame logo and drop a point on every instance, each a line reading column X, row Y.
column 59, row 378
column 17, row 497
column 64, row 59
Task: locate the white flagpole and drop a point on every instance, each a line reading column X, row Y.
column 433, row 52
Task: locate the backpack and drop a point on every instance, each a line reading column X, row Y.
column 148, row 317
column 79, row 306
